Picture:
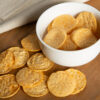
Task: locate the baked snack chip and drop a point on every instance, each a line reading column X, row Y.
column 67, row 22
column 55, row 37
column 6, row 62
column 37, row 91
column 39, row 62
column 61, row 84
column 83, row 37
column 20, row 56
column 28, row 78
column 69, row 44
column 8, row 86
column 87, row 20
column 80, row 80
column 30, row 43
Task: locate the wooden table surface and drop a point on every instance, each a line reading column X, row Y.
column 91, row 70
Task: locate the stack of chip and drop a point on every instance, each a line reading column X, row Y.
column 33, row 64
column 68, row 33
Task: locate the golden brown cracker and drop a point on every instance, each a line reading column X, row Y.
column 83, row 37
column 8, row 86
column 6, row 62
column 28, row 78
column 30, row 43
column 20, row 56
column 39, row 62
column 69, row 44
column 67, row 22
column 55, row 37
column 61, row 84
column 37, row 91
column 87, row 20
column 80, row 80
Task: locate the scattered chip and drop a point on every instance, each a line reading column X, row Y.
column 87, row 20
column 83, row 37
column 29, row 78
column 6, row 62
column 67, row 22
column 69, row 44
column 37, row 91
column 61, row 84
column 39, row 62
column 80, row 80
column 30, row 43
column 8, row 86
column 55, row 37
column 20, row 56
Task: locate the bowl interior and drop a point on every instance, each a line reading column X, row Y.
column 71, row 8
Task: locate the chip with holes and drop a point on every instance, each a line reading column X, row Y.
column 83, row 37
column 8, row 86
column 39, row 62
column 28, row 78
column 20, row 56
column 37, row 91
column 30, row 43
column 6, row 62
column 55, row 37
column 87, row 20
column 69, row 44
column 67, row 22
column 80, row 80
column 61, row 84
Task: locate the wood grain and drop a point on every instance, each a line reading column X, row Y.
column 91, row 70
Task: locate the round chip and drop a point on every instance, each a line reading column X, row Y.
column 87, row 20
column 20, row 56
column 8, row 86
column 80, row 80
column 83, row 37
column 69, row 44
column 55, row 37
column 6, row 62
column 30, row 43
column 29, row 78
column 67, row 22
column 39, row 62
column 61, row 84
column 37, row 91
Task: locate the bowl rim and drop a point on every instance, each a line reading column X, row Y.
column 58, row 50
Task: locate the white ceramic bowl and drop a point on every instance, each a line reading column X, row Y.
column 66, row 58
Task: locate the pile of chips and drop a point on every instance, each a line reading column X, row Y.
column 68, row 33
column 67, row 82
column 13, row 58
column 34, row 64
